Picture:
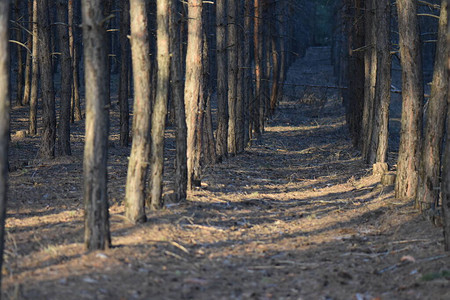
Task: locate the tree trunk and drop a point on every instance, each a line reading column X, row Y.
column 274, row 43
column 19, row 78
column 27, row 79
column 412, row 97
column 160, row 106
column 232, row 75
column 240, row 92
column 66, row 81
column 140, row 148
column 176, row 82
column 193, row 91
column 248, row 80
column 48, row 94
column 73, row 36
column 96, row 234
column 34, row 73
column 380, row 127
column 123, row 83
column 258, row 48
column 430, row 163
column 4, row 120
column 222, row 86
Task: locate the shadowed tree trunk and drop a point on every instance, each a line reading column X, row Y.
column 232, row 75
column 160, row 107
column 193, row 91
column 73, row 36
column 430, row 163
column 274, row 42
column 222, row 96
column 240, row 92
column 96, row 228
column 34, row 74
column 258, row 48
column 4, row 120
column 176, row 83
column 412, row 97
column 48, row 94
column 248, row 80
column 123, row 83
column 27, row 75
column 140, row 148
column 66, row 80
column 18, row 34
column 380, row 127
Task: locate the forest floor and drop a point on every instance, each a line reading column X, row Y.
column 297, row 216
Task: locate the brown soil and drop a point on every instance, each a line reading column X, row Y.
column 297, row 216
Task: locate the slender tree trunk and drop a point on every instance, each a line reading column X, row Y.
column 123, row 83
column 66, row 81
column 160, row 106
column 34, row 73
column 370, row 62
column 380, row 128
column 48, row 93
column 257, row 44
column 248, row 80
column 430, row 163
column 106, row 5
column 412, row 95
column 96, row 234
column 4, row 120
column 140, row 148
column 19, row 78
column 27, row 79
column 73, row 36
column 232, row 75
column 176, row 83
column 193, row 90
column 222, row 86
column 240, row 92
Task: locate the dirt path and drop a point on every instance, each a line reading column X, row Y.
column 297, row 216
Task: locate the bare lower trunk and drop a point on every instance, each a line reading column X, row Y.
column 412, row 97
column 48, row 94
column 258, row 48
column 140, row 148
column 430, row 165
column 34, row 74
column 222, row 96
column 96, row 234
column 66, row 81
column 4, row 120
column 75, row 102
column 248, row 80
column 160, row 107
column 232, row 75
column 27, row 79
column 193, row 91
column 176, row 82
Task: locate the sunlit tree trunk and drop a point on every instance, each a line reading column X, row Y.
column 412, row 97
column 430, row 163
column 258, row 49
column 73, row 36
column 193, row 90
column 48, row 94
column 232, row 75
column 123, row 83
column 96, row 233
column 27, row 79
column 160, row 107
column 222, row 86
column 176, row 82
column 4, row 119
column 34, row 74
column 66, row 81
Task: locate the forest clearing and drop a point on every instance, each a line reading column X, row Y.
column 297, row 216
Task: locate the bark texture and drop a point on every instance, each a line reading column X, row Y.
column 96, row 233
column 123, row 83
column 34, row 73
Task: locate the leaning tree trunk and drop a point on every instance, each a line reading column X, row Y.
column 123, row 82
column 430, row 163
column 412, row 97
column 222, row 96
column 4, row 120
column 48, row 94
column 96, row 230
column 160, row 107
column 193, row 90
column 140, row 147
column 66, row 80
column 34, row 73
column 176, row 83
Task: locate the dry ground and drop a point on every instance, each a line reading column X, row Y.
column 297, row 216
